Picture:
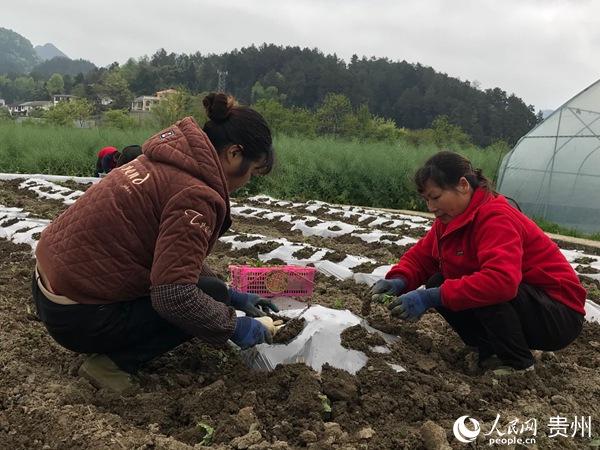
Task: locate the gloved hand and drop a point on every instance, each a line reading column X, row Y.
column 412, row 306
column 250, row 332
column 272, row 325
column 251, row 304
column 393, row 286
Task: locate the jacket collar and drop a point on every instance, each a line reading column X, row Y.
column 479, row 198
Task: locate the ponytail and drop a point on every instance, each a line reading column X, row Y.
column 446, row 169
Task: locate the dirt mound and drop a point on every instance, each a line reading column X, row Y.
column 198, row 395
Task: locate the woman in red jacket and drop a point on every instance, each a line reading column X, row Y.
column 107, row 160
column 490, row 271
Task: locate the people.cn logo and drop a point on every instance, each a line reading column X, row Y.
column 464, row 434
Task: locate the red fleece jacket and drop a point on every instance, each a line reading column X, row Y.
column 485, row 253
column 106, row 151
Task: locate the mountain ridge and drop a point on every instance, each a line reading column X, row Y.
column 48, row 51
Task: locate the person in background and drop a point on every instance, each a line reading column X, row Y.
column 164, row 212
column 490, row 271
column 128, row 154
column 107, row 160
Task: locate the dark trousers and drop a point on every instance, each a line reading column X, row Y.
column 530, row 321
column 130, row 333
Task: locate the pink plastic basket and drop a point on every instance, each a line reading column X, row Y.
column 275, row 281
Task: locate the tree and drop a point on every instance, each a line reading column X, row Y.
column 24, row 87
column 65, row 113
column 114, row 86
column 55, row 85
column 266, row 93
column 176, row 106
column 445, row 133
column 332, row 113
column 118, row 118
column 63, row 66
column 4, row 114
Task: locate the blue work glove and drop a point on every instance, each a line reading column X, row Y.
column 393, row 286
column 251, row 304
column 250, row 332
column 412, row 306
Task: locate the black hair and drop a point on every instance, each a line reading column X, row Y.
column 446, row 168
column 231, row 124
column 128, row 154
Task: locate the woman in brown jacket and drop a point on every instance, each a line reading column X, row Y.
column 117, row 273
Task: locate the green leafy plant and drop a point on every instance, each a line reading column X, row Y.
column 255, row 262
column 326, row 404
column 385, row 299
column 339, row 303
column 209, row 433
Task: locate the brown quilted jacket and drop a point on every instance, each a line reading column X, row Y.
column 149, row 223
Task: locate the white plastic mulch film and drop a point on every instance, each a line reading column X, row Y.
column 554, row 171
column 320, row 340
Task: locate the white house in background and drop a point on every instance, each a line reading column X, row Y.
column 104, row 100
column 144, row 103
column 164, row 94
column 147, row 102
column 56, row 99
column 24, row 109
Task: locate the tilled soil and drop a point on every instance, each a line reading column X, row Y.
column 200, row 396
column 12, row 196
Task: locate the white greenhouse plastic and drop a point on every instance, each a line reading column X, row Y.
column 554, row 171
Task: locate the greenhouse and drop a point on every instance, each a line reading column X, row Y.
column 553, row 172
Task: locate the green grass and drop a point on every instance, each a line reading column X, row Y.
column 551, row 227
column 374, row 174
column 59, row 150
column 370, row 174
column 350, row 172
column 377, row 174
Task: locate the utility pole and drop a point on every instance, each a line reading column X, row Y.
column 222, row 83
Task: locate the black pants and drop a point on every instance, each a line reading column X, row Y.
column 531, row 321
column 130, row 333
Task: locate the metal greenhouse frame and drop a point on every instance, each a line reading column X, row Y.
column 554, row 171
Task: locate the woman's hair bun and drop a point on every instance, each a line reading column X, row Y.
column 218, row 106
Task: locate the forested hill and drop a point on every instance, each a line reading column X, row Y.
column 16, row 53
column 62, row 65
column 411, row 94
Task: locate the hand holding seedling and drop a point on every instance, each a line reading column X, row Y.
column 381, row 290
column 412, row 306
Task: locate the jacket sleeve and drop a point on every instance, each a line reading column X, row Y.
column 208, row 272
column 187, row 225
column 195, row 312
column 499, row 248
column 186, row 228
column 418, row 263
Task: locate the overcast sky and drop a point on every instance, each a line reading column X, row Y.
column 544, row 51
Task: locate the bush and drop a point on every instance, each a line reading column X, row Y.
column 65, row 113
column 118, row 118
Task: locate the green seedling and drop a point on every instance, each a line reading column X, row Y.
column 385, row 299
column 255, row 262
column 326, row 404
column 209, row 433
column 339, row 303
